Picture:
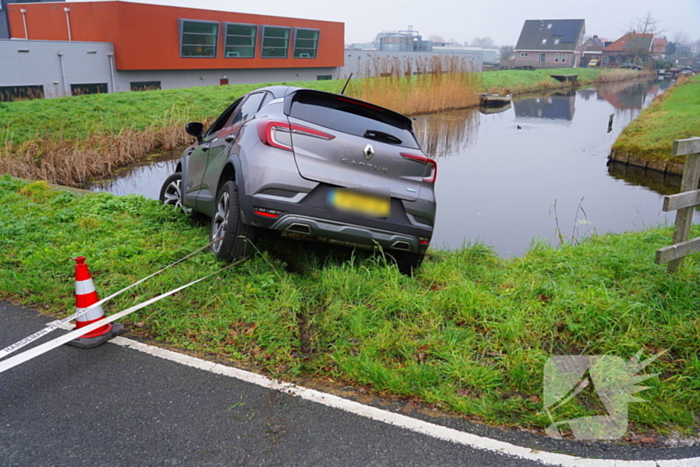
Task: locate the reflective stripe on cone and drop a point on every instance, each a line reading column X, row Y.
column 86, row 295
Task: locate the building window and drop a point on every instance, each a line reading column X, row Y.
column 20, row 93
column 275, row 42
column 240, row 41
column 549, row 26
column 198, row 38
column 605, row 61
column 542, row 57
column 563, row 58
column 145, row 85
column 327, row 77
column 523, row 54
column 544, row 41
column 556, row 58
column 556, row 41
column 90, row 88
column 305, row 43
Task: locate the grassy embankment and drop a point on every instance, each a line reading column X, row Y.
column 647, row 141
column 470, row 333
column 72, row 140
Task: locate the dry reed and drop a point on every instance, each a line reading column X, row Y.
column 76, row 162
column 420, row 86
column 614, row 76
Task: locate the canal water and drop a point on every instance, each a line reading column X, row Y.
column 536, row 170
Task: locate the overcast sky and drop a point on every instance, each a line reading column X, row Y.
column 464, row 20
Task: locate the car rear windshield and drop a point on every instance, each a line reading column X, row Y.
column 359, row 119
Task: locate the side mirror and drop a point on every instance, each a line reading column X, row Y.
column 195, row 129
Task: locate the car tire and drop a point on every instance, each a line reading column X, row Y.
column 408, row 263
column 171, row 193
column 226, row 222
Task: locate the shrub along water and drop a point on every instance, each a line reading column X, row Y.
column 469, row 333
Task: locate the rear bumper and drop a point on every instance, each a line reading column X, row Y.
column 342, row 233
column 310, row 219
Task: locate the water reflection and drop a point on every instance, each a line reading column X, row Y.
column 555, row 106
column 662, row 183
column 629, row 96
column 143, row 179
column 505, row 172
column 447, row 133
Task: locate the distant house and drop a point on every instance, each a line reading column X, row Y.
column 592, row 48
column 630, row 48
column 658, row 49
column 550, row 43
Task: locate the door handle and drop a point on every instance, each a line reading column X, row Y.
column 205, row 147
column 229, row 138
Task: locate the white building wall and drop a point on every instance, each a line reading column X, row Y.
column 56, row 65
column 33, row 63
column 173, row 79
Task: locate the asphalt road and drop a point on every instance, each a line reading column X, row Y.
column 116, row 406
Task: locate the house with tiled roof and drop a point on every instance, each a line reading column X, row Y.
column 550, row 43
column 630, row 48
column 658, row 48
column 592, row 48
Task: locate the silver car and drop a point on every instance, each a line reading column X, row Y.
column 309, row 165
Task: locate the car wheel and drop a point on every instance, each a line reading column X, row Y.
column 408, row 263
column 235, row 237
column 171, row 193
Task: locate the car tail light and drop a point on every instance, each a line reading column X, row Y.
column 266, row 212
column 267, row 131
column 424, row 160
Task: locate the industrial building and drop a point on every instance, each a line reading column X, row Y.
column 59, row 49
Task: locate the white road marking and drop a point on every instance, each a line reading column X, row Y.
column 402, row 421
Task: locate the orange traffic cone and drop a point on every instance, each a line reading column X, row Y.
column 85, row 296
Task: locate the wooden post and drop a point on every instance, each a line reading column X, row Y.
column 691, row 176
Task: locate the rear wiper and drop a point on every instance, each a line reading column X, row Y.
column 381, row 136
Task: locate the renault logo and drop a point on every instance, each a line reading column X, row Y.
column 368, row 152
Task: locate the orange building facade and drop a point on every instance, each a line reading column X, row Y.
column 156, row 37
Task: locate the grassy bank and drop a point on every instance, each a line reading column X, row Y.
column 673, row 115
column 72, row 140
column 470, row 333
column 526, row 81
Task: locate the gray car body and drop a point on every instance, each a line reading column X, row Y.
column 268, row 178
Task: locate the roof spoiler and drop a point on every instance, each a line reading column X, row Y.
column 389, row 115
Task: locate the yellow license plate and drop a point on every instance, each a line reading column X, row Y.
column 360, row 203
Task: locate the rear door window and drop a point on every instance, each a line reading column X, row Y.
column 359, row 119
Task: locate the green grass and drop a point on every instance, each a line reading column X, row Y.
column 526, row 78
column 68, row 118
column 470, row 333
column 673, row 115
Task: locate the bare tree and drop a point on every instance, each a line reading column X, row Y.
column 483, row 42
column 643, row 29
column 436, row 38
column 681, row 38
column 506, row 52
column 695, row 47
column 455, row 42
